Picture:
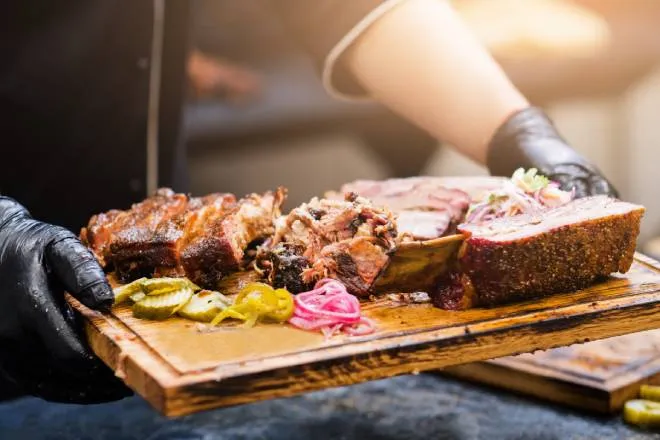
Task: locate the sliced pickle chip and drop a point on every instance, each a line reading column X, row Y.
column 138, row 296
column 158, row 286
column 164, row 290
column 161, row 306
column 204, row 306
column 642, row 412
column 122, row 293
column 650, row 392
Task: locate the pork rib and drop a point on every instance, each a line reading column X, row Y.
column 175, row 235
column 132, row 229
column 216, row 247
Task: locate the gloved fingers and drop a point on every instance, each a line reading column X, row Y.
column 51, row 320
column 79, row 271
column 602, row 186
column 581, row 188
column 570, row 182
column 11, row 210
column 585, row 186
column 567, row 183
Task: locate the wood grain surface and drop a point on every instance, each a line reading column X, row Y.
column 598, row 376
column 181, row 367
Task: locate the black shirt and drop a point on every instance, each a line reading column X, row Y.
column 74, row 88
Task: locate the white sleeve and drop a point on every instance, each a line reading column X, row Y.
column 351, row 91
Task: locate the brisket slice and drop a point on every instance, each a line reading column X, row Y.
column 476, row 187
column 425, row 208
column 350, row 240
column 171, row 234
column 525, row 256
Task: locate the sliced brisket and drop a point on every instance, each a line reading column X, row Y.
column 425, row 208
column 526, row 256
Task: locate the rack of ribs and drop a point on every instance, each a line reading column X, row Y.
column 172, row 234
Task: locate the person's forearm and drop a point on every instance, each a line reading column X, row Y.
column 423, row 62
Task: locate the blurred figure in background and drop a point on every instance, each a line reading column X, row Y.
column 213, row 77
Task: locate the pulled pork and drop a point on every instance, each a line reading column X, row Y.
column 350, row 240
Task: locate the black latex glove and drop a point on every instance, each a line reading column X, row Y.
column 41, row 350
column 528, row 139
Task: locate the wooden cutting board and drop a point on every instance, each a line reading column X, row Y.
column 181, row 368
column 598, row 376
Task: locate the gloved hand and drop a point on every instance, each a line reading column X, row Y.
column 528, row 139
column 40, row 346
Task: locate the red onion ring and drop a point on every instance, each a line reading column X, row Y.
column 330, row 308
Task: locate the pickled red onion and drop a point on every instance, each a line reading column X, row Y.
column 331, row 309
column 520, row 195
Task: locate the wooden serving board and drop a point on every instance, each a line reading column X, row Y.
column 598, row 376
column 180, row 368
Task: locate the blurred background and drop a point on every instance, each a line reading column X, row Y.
column 258, row 116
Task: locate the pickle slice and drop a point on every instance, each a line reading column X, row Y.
column 161, row 306
column 650, row 392
column 159, row 286
column 138, row 296
column 204, row 306
column 642, row 412
column 164, row 290
column 122, row 293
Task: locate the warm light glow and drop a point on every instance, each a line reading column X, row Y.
column 524, row 28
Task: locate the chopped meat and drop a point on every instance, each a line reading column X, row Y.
column 524, row 257
column 349, row 240
column 232, row 284
column 285, row 264
column 171, row 234
column 425, row 208
column 357, row 262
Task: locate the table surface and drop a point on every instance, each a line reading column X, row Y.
column 424, row 407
